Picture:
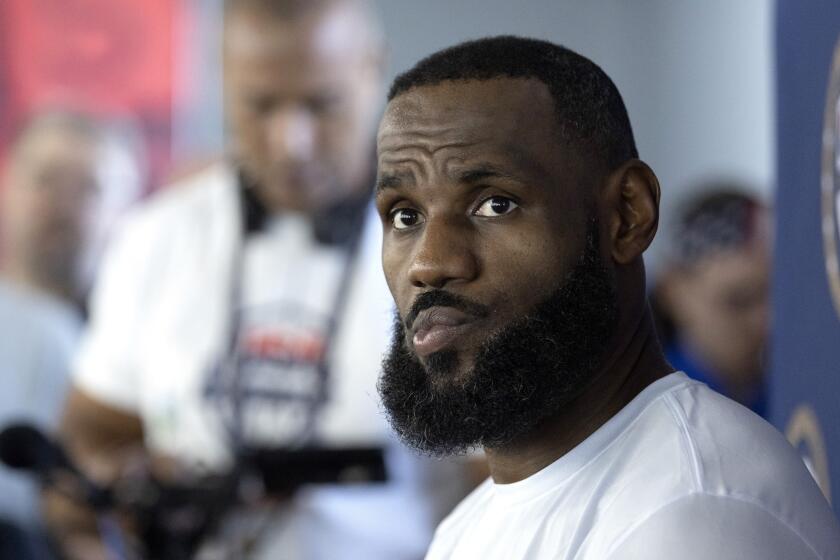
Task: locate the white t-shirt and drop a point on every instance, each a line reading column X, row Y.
column 173, row 285
column 680, row 473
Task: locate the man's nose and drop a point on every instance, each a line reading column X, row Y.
column 291, row 133
column 443, row 255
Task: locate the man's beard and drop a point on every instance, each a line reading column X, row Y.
column 522, row 375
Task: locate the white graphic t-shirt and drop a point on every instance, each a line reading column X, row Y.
column 275, row 385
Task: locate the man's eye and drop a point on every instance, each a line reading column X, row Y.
column 405, row 218
column 496, row 206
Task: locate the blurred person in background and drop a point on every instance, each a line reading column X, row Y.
column 712, row 295
column 245, row 308
column 50, row 192
column 59, row 196
column 68, row 179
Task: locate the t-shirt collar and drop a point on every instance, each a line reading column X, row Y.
column 553, row 477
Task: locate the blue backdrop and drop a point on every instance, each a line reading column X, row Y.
column 805, row 376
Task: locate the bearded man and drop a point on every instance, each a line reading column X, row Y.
column 515, row 214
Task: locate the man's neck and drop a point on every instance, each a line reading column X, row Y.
column 627, row 371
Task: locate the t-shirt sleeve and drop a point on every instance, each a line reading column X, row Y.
column 705, row 527
column 105, row 367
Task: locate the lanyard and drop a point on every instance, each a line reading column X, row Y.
column 340, row 225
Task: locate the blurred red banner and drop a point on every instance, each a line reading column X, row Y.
column 112, row 57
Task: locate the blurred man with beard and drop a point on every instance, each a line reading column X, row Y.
column 243, row 310
column 515, row 214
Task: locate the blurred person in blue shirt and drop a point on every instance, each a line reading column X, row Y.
column 711, row 296
column 49, row 192
column 66, row 178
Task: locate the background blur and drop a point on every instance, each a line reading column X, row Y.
column 700, row 80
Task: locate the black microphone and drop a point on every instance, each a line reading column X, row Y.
column 25, row 447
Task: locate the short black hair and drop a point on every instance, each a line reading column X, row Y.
column 590, row 112
column 722, row 216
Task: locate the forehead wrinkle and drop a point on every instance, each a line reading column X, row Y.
column 407, row 172
column 415, row 127
column 417, row 152
column 418, row 131
column 427, row 133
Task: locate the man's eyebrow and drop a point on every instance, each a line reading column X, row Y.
column 478, row 173
column 387, row 181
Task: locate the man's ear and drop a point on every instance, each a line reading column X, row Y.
column 632, row 197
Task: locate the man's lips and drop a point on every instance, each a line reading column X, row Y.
column 435, row 328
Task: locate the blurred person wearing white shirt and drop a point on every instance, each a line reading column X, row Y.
column 244, row 307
